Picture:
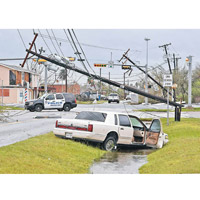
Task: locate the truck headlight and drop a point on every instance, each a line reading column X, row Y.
column 30, row 103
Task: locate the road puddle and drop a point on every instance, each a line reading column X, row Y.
column 121, row 162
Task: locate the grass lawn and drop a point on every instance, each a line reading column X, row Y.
column 153, row 110
column 182, row 153
column 91, row 102
column 165, row 110
column 47, row 154
column 10, row 108
column 191, row 110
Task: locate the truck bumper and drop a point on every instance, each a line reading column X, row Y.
column 28, row 107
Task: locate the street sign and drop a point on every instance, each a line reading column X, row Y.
column 167, row 81
column 126, row 66
column 111, row 64
column 100, row 65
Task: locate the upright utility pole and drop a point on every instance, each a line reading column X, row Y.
column 165, row 48
column 124, row 84
column 66, row 80
column 177, row 58
column 45, row 77
column 190, row 81
column 41, row 50
column 146, row 69
column 2, row 94
column 109, row 84
column 100, row 80
column 174, row 91
column 167, row 106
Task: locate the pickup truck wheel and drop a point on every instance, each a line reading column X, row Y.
column 109, row 144
column 38, row 108
column 67, row 107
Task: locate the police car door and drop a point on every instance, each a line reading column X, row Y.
column 49, row 101
column 60, row 100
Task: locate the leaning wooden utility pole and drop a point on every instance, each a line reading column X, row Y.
column 160, row 85
column 29, row 49
column 165, row 48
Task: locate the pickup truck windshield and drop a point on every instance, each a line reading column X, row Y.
column 113, row 95
column 93, row 116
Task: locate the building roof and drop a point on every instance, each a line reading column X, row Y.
column 13, row 67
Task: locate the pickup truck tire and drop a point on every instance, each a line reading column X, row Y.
column 67, row 107
column 117, row 101
column 109, row 144
column 108, row 101
column 38, row 108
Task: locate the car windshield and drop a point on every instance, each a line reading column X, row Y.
column 93, row 116
column 114, row 95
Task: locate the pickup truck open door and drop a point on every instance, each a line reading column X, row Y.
column 153, row 133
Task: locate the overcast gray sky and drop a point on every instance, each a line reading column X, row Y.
column 184, row 42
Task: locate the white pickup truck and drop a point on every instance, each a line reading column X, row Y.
column 112, row 129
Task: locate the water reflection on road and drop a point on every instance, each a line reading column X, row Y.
column 121, row 162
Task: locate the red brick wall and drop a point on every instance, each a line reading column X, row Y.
column 74, row 89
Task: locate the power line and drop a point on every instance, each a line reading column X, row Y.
column 77, row 52
column 57, row 43
column 45, row 42
column 23, row 44
column 88, row 45
column 82, row 51
column 69, row 40
column 21, row 39
column 52, row 42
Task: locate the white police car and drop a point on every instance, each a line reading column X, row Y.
column 59, row 101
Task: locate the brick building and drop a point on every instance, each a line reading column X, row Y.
column 13, row 82
column 59, row 88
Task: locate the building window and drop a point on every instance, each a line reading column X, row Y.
column 30, row 78
column 12, row 78
column 22, row 76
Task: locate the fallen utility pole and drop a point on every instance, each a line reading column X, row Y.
column 105, row 80
column 145, row 72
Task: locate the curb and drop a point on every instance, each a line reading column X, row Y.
column 44, row 117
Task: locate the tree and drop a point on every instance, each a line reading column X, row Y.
column 62, row 74
column 180, row 77
column 196, row 82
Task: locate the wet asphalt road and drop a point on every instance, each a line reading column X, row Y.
column 21, row 125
